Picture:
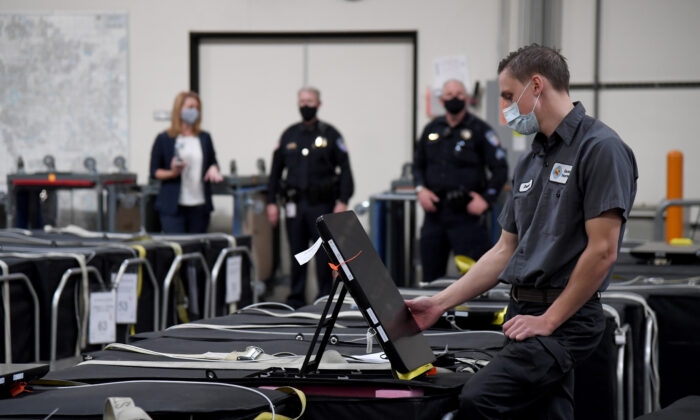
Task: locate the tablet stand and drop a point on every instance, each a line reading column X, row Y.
column 326, row 322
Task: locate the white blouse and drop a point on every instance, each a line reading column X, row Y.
column 189, row 149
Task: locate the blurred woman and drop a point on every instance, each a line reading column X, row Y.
column 184, row 160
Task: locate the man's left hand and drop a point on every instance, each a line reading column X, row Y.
column 521, row 327
column 340, row 207
column 477, row 206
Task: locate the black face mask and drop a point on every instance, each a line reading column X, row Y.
column 308, row 113
column 454, row 105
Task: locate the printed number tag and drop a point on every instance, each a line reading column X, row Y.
column 233, row 278
column 102, row 324
column 127, row 298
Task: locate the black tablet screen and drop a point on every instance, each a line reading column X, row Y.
column 374, row 291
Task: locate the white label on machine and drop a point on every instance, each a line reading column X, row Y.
column 127, row 295
column 374, row 319
column 233, row 278
column 382, row 334
column 17, row 377
column 340, row 259
column 102, row 325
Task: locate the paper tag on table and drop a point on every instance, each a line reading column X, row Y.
column 102, row 326
column 127, row 295
column 234, row 267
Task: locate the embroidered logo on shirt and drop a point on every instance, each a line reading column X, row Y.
column 525, row 186
column 560, row 173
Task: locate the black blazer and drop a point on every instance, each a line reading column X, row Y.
column 161, row 155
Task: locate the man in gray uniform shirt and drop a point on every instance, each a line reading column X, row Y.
column 561, row 231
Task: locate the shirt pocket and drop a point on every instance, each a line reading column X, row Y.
column 434, row 151
column 558, row 206
column 524, row 205
column 465, row 153
column 292, row 157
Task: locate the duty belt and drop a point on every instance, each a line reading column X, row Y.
column 533, row 295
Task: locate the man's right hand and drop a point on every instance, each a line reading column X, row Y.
column 424, row 311
column 273, row 214
column 427, row 200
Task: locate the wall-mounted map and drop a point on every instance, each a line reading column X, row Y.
column 63, row 90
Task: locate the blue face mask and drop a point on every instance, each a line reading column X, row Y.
column 189, row 115
column 523, row 124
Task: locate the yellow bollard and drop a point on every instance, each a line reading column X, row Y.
column 674, row 189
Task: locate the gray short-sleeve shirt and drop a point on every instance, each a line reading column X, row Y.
column 581, row 171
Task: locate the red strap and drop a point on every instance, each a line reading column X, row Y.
column 336, row 267
column 18, row 388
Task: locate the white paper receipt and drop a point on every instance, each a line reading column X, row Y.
column 305, row 256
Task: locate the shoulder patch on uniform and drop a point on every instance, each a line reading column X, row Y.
column 500, row 154
column 492, row 138
column 341, row 144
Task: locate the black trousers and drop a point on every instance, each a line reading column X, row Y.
column 445, row 230
column 533, row 378
column 187, row 219
column 302, row 232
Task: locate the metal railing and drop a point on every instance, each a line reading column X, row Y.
column 71, row 272
column 236, row 250
column 196, row 256
column 5, row 279
column 156, row 290
column 659, row 222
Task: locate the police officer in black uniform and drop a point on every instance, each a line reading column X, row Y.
column 318, row 181
column 562, row 228
column 449, row 169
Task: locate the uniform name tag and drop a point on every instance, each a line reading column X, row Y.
column 525, row 186
column 291, row 209
column 560, row 173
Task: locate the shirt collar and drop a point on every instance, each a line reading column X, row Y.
column 565, row 131
column 309, row 128
column 569, row 125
